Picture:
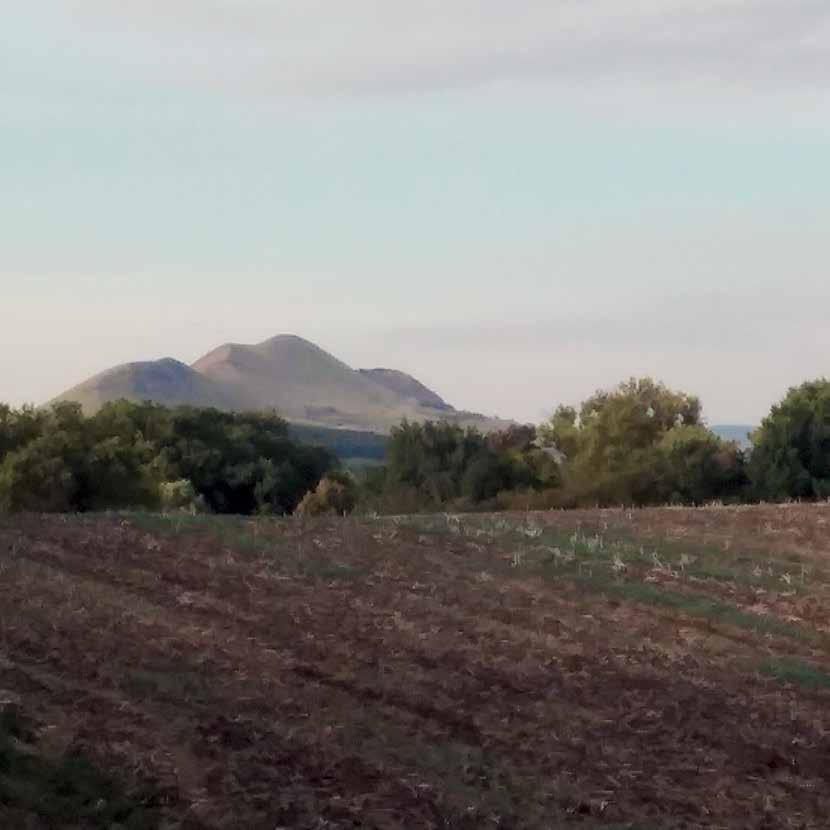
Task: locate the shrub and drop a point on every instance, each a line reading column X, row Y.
column 181, row 496
column 336, row 493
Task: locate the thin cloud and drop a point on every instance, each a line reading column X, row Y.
column 317, row 47
column 711, row 322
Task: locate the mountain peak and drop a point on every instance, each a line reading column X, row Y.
column 288, row 338
column 301, row 381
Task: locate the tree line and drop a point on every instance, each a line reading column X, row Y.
column 638, row 444
column 147, row 456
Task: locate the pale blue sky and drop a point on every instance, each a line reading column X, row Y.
column 516, row 202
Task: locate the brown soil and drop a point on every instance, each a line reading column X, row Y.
column 426, row 672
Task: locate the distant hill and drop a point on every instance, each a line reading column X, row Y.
column 739, row 433
column 301, row 381
column 405, row 385
column 346, row 444
column 165, row 381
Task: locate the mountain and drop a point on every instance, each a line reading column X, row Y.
column 165, row 381
column 406, row 386
column 739, row 433
column 298, row 379
column 302, row 382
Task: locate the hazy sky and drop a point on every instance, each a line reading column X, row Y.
column 518, row 202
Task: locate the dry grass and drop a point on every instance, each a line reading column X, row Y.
column 650, row 669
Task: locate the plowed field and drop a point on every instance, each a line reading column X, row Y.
column 646, row 669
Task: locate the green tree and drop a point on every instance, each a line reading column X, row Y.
column 640, row 443
column 486, row 475
column 131, row 455
column 38, row 478
column 432, row 458
column 444, row 463
column 562, row 431
column 697, row 466
column 791, row 450
column 19, row 427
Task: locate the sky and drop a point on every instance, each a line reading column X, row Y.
column 518, row 203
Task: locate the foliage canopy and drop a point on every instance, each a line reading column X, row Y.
column 641, row 443
column 144, row 455
column 791, row 449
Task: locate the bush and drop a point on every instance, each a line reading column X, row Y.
column 181, row 496
column 336, row 493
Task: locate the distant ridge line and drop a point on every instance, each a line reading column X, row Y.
column 301, row 381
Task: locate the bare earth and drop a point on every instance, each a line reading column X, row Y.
column 647, row 669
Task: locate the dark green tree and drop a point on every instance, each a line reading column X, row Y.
column 791, row 450
column 696, row 466
column 143, row 455
column 443, row 462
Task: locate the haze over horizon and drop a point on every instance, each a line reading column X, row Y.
column 515, row 203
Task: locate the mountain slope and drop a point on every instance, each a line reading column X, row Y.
column 165, row 381
column 408, row 387
column 301, row 381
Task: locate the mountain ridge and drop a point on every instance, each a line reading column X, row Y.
column 301, row 381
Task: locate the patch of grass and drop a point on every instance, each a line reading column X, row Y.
column 697, row 606
column 788, row 670
column 240, row 533
column 331, row 570
column 156, row 522
column 176, row 522
column 68, row 792
column 601, row 549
